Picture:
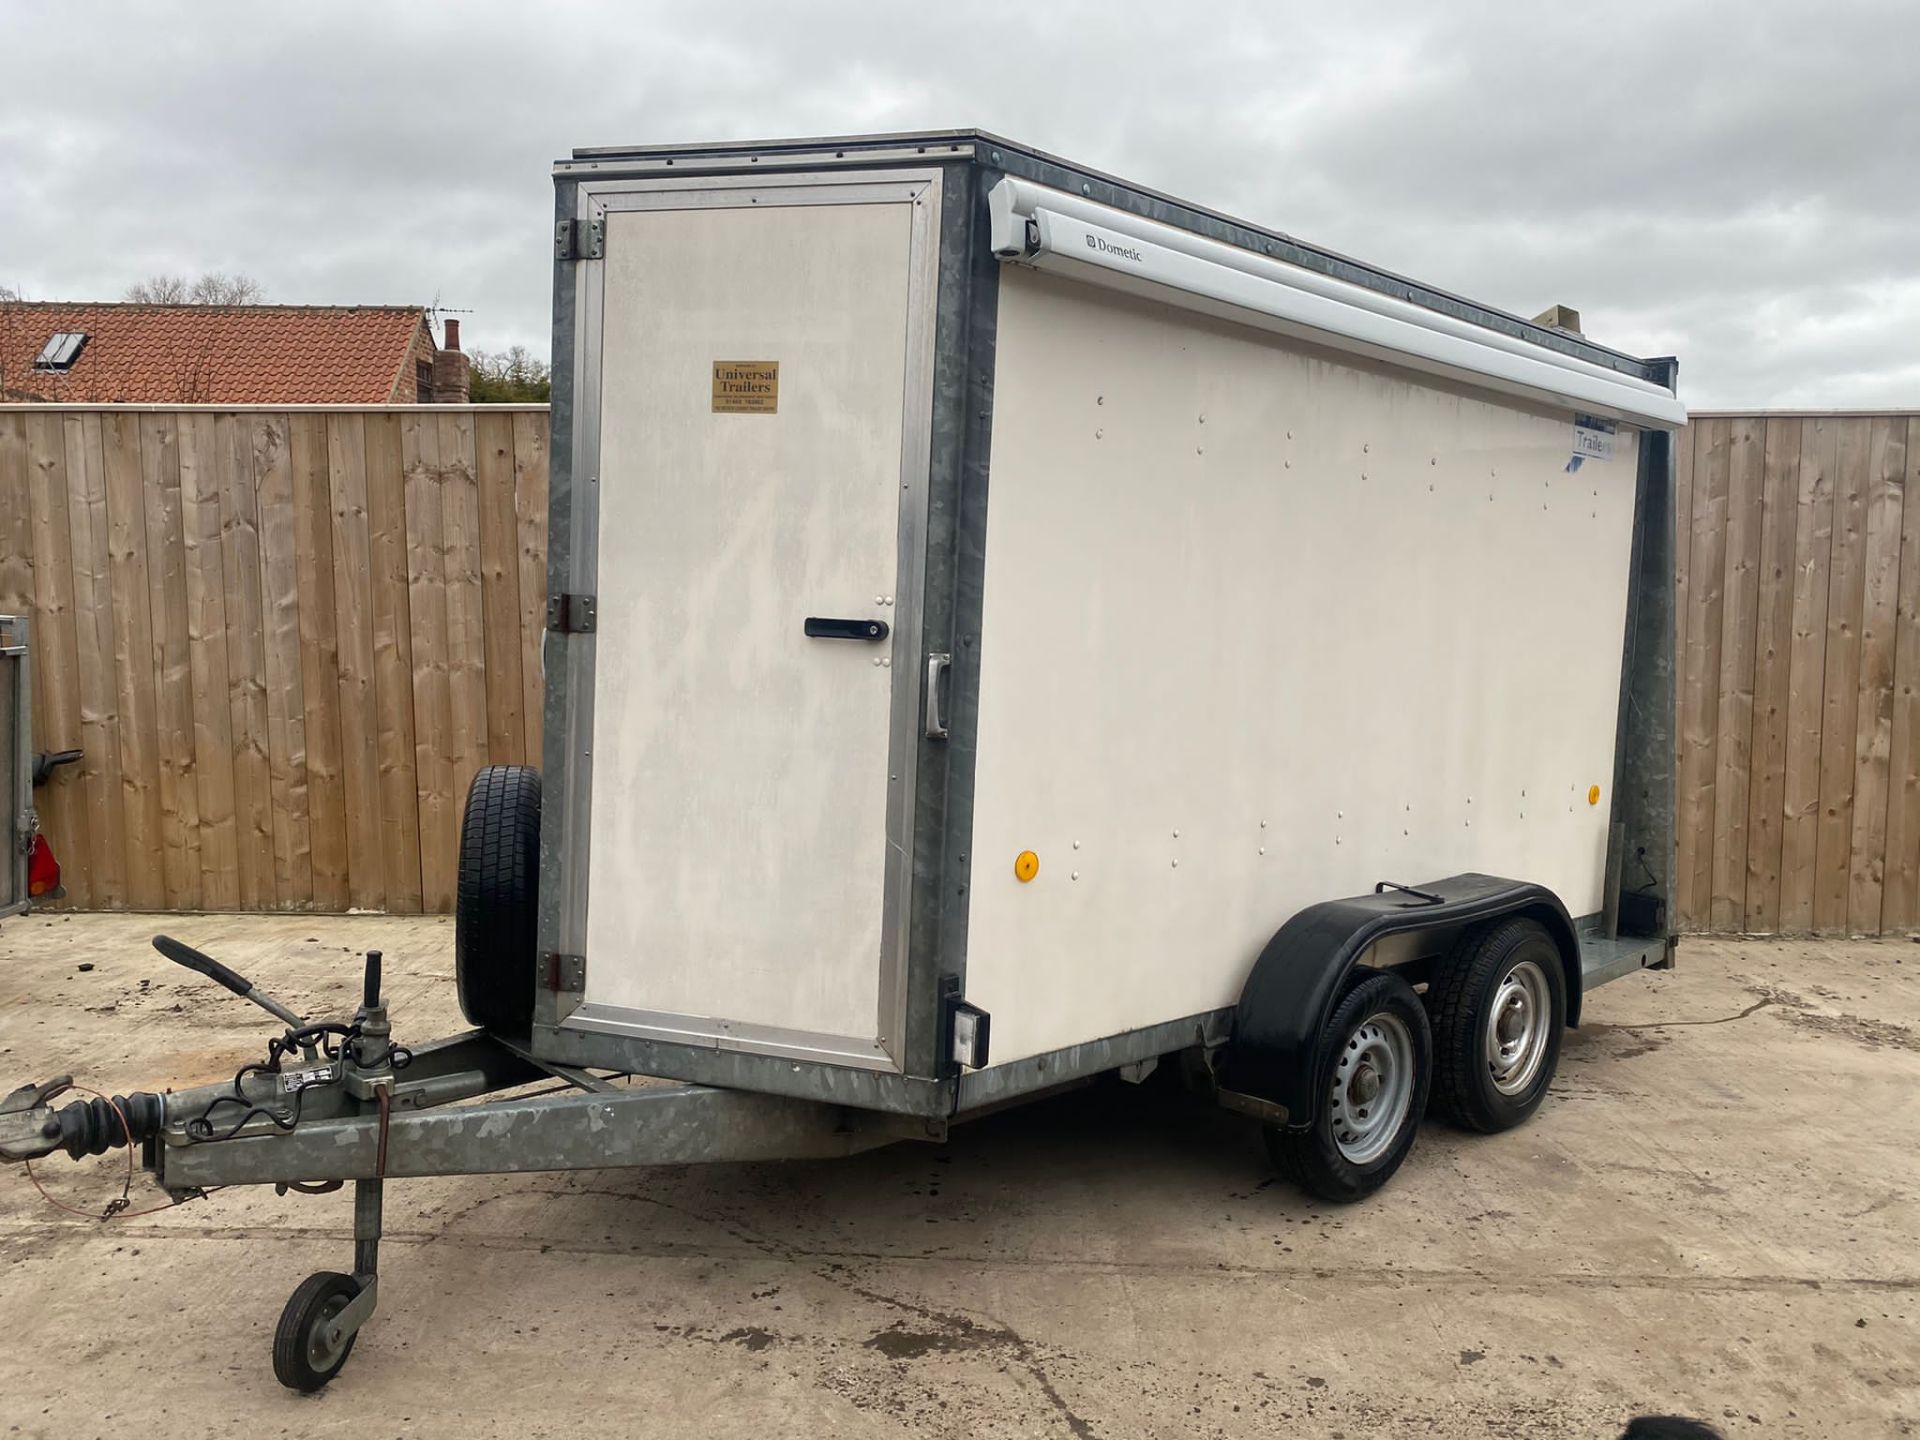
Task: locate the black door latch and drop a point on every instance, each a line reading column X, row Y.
column 821, row 629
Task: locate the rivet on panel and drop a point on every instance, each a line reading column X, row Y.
column 1076, row 844
column 1099, row 434
column 1176, row 834
column 1074, row 875
column 1263, row 849
column 1263, row 824
column 885, row 662
column 1176, row 864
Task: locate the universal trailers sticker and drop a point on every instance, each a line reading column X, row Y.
column 746, row 387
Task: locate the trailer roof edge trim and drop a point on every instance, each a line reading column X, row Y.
column 998, row 155
column 1067, row 234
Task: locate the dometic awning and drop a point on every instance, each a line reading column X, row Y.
column 1071, row 235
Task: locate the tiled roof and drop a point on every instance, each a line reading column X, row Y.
column 211, row 354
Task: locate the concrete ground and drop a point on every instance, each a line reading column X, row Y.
column 1716, row 1212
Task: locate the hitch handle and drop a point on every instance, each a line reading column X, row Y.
column 239, row 984
column 198, row 960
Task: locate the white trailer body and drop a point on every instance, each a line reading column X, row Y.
column 988, row 600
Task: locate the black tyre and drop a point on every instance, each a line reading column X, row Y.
column 1371, row 1076
column 497, row 898
column 1499, row 1006
column 307, row 1350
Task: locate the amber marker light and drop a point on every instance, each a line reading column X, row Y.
column 1026, row 865
column 1593, row 795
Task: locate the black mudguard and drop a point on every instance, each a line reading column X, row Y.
column 1297, row 979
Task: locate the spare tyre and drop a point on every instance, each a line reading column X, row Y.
column 497, row 899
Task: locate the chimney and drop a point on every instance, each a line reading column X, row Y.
column 451, row 370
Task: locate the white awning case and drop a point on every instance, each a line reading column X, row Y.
column 1052, row 230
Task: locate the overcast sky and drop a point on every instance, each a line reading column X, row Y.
column 1737, row 184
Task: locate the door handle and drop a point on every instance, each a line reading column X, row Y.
column 938, row 664
column 822, row 629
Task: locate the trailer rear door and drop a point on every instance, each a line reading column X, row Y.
column 762, row 390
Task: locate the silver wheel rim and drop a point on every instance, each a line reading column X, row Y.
column 323, row 1343
column 1372, row 1088
column 1519, row 1019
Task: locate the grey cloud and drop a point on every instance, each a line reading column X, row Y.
column 1732, row 183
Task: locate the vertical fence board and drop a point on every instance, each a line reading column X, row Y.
column 1840, row 701
column 1873, row 741
column 466, row 615
column 55, row 652
column 359, row 736
column 1812, row 565
column 1773, row 627
column 133, row 649
column 201, row 477
column 500, row 590
column 1900, row 899
column 246, row 659
column 530, row 505
column 16, row 519
column 1733, row 745
column 172, row 663
column 432, row 695
column 1699, row 711
column 393, row 662
column 319, row 660
column 99, row 768
column 286, row 701
column 1683, row 448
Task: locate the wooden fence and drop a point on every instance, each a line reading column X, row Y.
column 285, row 640
column 1799, row 685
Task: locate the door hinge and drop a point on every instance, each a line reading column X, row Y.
column 567, row 973
column 570, row 614
column 579, row 239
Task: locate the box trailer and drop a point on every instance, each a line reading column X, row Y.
column 1007, row 627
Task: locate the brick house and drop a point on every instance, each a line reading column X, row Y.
column 227, row 355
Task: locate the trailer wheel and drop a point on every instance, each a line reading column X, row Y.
column 1372, row 1071
column 1499, row 1009
column 308, row 1349
column 495, row 904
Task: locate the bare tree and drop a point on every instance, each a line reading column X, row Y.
column 159, row 290
column 216, row 287
column 9, row 292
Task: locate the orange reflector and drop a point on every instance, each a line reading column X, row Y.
column 1593, row 795
column 1026, row 865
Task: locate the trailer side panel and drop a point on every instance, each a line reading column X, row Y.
column 1265, row 625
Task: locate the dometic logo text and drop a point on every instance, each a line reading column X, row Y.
column 1125, row 252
